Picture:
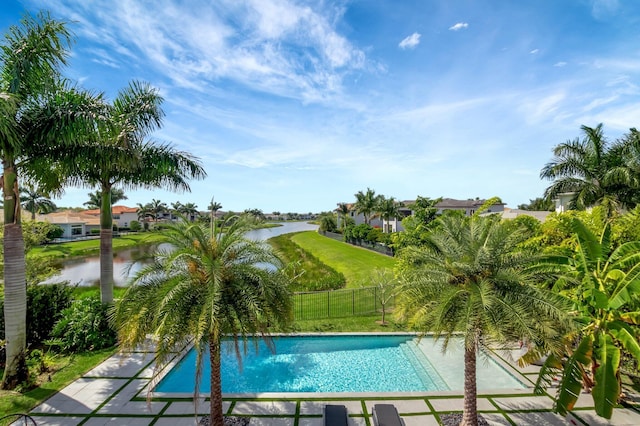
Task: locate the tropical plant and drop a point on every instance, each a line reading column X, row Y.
column 608, row 286
column 327, row 223
column 366, row 204
column 389, row 209
column 119, row 152
column 190, row 210
column 95, row 198
column 214, row 206
column 35, row 201
column 208, row 287
column 384, row 287
column 539, row 204
column 472, row 280
column 30, row 59
column 155, row 209
column 343, row 213
column 594, row 170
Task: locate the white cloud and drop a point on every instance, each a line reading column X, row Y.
column 459, row 26
column 560, row 64
column 410, row 42
column 534, row 51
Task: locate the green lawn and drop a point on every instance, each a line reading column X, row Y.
column 355, row 263
column 90, row 247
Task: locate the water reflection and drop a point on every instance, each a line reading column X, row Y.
column 85, row 272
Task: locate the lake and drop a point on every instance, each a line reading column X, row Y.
column 85, row 271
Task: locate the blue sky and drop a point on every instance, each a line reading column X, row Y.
column 294, row 106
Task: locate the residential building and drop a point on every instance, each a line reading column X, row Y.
column 122, row 215
column 74, row 224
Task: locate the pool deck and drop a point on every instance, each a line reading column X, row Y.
column 113, row 393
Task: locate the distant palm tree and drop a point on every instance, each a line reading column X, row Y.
column 343, row 212
column 472, row 280
column 156, row 209
column 95, row 198
column 190, row 210
column 208, row 287
column 366, row 203
column 143, row 211
column 214, row 207
column 176, row 209
column 389, row 209
column 34, row 201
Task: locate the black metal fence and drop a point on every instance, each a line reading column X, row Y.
column 380, row 248
column 337, row 303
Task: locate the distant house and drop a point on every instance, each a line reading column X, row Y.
column 469, row 207
column 74, row 224
column 563, row 201
column 122, row 215
column 509, row 213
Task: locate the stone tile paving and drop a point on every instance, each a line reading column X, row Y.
column 113, row 394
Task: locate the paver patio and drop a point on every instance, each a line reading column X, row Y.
column 113, row 394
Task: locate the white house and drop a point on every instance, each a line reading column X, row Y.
column 122, row 215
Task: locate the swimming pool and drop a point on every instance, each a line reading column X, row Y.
column 340, row 363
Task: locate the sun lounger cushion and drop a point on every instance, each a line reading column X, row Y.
column 335, row 415
column 386, row 415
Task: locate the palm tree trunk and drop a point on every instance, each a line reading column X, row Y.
column 15, row 282
column 106, row 247
column 470, row 410
column 216, row 417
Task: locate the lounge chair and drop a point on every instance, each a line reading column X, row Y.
column 335, row 415
column 386, row 415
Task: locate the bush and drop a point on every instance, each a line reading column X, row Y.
column 84, row 326
column 94, row 231
column 135, row 226
column 45, row 304
column 54, row 232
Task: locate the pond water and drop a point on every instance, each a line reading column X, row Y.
column 85, row 271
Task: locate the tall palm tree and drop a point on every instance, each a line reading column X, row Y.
column 35, row 201
column 472, row 279
column 95, row 198
column 608, row 281
column 214, row 206
column 120, row 153
column 389, row 209
column 156, row 209
column 366, row 203
column 343, row 212
column 190, row 210
column 30, row 60
column 206, row 288
column 592, row 169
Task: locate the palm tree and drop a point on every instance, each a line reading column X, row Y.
column 95, row 198
column 472, row 280
column 214, row 207
column 607, row 281
column 156, row 209
column 35, row 201
column 389, row 209
column 343, row 211
column 366, row 203
column 190, row 210
column 206, row 288
column 143, row 211
column 592, row 169
column 120, row 153
column 30, row 59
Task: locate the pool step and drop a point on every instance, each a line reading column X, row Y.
column 424, row 365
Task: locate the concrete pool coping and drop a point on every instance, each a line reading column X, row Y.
column 112, row 393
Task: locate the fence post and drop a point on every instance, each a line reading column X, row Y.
column 328, row 305
column 353, row 301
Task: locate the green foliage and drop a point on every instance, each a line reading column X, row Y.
column 327, row 223
column 54, row 232
column 607, row 282
column 305, row 271
column 84, row 326
column 539, row 204
column 46, row 304
column 135, row 226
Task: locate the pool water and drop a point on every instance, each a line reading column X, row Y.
column 337, row 364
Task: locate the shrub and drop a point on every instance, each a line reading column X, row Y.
column 94, row 231
column 84, row 326
column 54, row 232
column 135, row 226
column 45, row 305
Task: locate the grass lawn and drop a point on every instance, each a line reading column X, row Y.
column 364, row 323
column 67, row 369
column 355, row 263
column 90, row 247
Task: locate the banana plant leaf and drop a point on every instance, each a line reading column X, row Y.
column 607, row 387
column 571, row 383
